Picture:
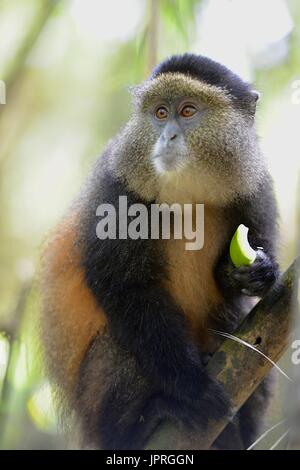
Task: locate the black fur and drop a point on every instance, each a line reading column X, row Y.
column 125, row 277
column 208, row 71
column 166, row 376
column 130, row 407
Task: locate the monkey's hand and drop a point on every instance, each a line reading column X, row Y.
column 256, row 278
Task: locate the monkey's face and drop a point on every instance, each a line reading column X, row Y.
column 194, row 130
column 172, row 121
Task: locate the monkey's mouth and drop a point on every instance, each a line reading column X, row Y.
column 167, row 162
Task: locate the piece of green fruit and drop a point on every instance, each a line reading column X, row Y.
column 241, row 253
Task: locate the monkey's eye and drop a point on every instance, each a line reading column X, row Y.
column 188, row 111
column 162, row 112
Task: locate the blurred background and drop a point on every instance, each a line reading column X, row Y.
column 65, row 67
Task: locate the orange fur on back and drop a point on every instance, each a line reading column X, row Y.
column 71, row 317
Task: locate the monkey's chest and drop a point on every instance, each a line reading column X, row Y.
column 190, row 274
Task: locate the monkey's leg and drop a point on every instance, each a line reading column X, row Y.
column 110, row 394
column 134, row 423
column 117, row 407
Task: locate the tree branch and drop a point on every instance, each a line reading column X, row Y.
column 236, row 367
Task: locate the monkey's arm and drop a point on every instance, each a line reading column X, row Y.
column 259, row 213
column 125, row 276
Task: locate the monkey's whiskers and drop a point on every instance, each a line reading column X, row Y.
column 250, row 346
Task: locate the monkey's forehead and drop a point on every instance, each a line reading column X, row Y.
column 170, row 86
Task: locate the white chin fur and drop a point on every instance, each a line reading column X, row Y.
column 163, row 166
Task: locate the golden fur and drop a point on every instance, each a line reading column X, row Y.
column 71, row 317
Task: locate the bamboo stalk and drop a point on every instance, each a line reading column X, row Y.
column 153, row 35
column 14, row 70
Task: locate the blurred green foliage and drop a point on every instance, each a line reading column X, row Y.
column 67, row 94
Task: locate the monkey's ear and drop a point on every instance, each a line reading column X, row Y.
column 256, row 95
column 254, row 98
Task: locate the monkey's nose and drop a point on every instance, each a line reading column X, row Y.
column 171, row 132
